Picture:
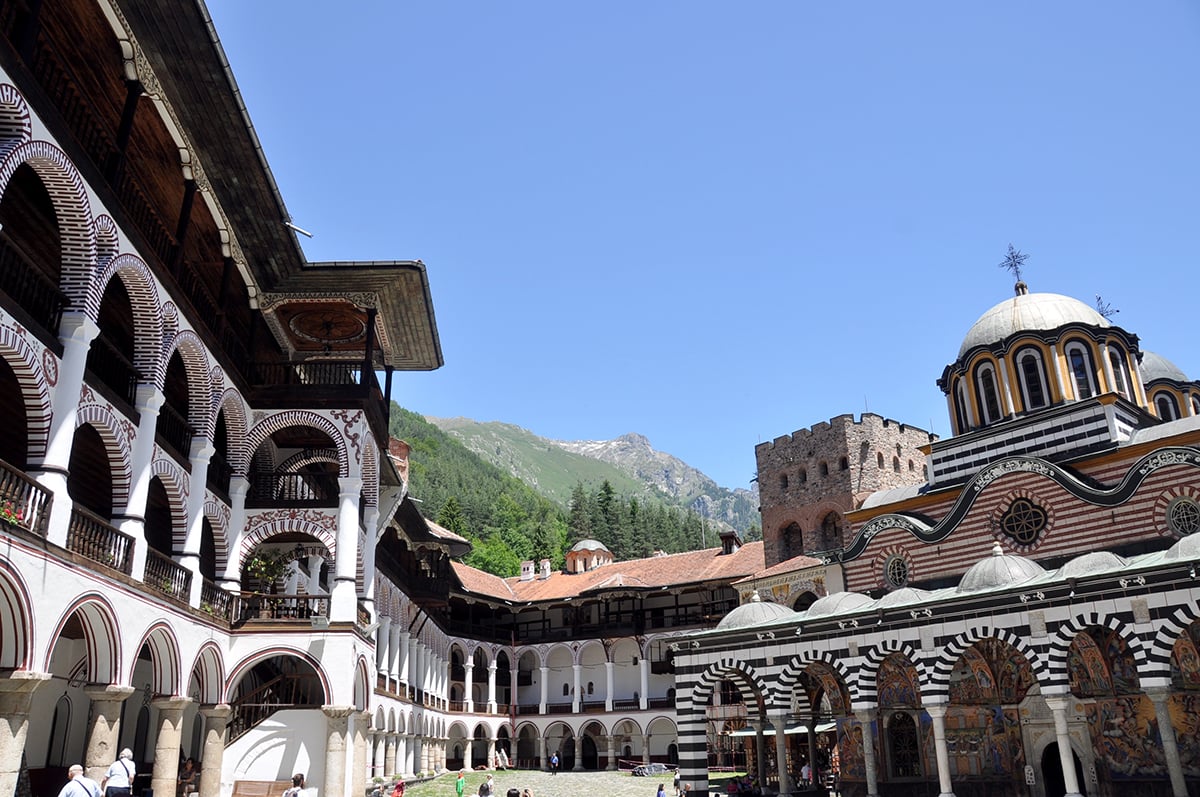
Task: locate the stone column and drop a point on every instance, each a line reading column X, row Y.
column 403, row 765
column 866, row 716
column 644, row 697
column 1058, row 706
column 239, row 488
column 149, row 401
column 370, row 524
column 779, row 721
column 491, row 753
column 383, row 641
column 576, row 696
column 201, row 455
column 165, row 774
column 76, row 333
column 343, row 598
column 468, row 685
column 645, row 748
column 405, row 654
column 608, row 685
column 216, row 720
column 760, row 752
column 389, row 756
column 937, row 713
column 16, row 693
column 491, row 704
column 399, row 641
column 336, row 727
column 612, row 753
column 545, row 699
column 105, row 735
column 358, row 774
column 1161, row 697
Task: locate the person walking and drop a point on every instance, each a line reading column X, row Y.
column 554, row 763
column 78, row 784
column 118, row 780
column 460, row 783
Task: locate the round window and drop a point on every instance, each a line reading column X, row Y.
column 1183, row 515
column 895, row 570
column 1024, row 521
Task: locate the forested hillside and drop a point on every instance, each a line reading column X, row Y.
column 507, row 521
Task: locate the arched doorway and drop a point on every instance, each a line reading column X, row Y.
column 1054, row 783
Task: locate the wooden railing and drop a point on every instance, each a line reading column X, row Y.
column 92, row 536
column 282, row 691
column 29, row 287
column 259, row 606
column 175, row 431
column 23, row 502
column 308, row 489
column 113, row 368
column 167, row 576
column 219, row 474
column 218, row 602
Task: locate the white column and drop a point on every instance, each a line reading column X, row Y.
column 1058, row 706
column 545, row 698
column 491, row 704
column 1009, row 409
column 468, row 685
column 337, row 725
column 383, row 644
column 779, row 721
column 216, row 720
column 410, row 664
column 937, row 713
column 239, row 487
column 149, row 401
column 867, row 716
column 201, row 454
column 370, row 522
column 644, row 697
column 1057, row 371
column 608, row 686
column 379, row 755
column 576, row 696
column 343, row 605
column 76, row 333
column 397, row 651
column 358, row 753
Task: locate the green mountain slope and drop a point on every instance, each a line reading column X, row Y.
column 629, row 464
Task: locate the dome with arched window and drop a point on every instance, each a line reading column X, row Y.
column 756, row 611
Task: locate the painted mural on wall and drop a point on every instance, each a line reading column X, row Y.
column 984, row 742
column 1126, row 738
column 1100, row 664
column 851, row 761
column 1185, row 718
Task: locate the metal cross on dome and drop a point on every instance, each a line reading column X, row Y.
column 1014, row 261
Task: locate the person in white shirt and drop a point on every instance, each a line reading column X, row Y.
column 79, row 785
column 118, row 780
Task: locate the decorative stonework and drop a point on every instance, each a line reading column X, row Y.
column 351, row 420
column 34, row 382
column 261, row 526
column 272, row 423
column 117, row 434
column 148, row 319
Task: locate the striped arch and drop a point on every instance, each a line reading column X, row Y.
column 282, row 420
column 27, row 365
column 370, row 473
column 1162, row 645
column 71, row 209
column 16, row 127
column 218, row 517
column 16, row 620
column 943, row 665
column 753, row 688
column 216, row 393
column 195, row 363
column 247, row 664
column 165, row 680
column 237, row 421
column 1060, row 644
column 362, row 684
column 208, row 675
column 147, row 310
column 102, row 660
column 259, row 533
column 116, row 443
column 789, row 679
column 300, row 460
column 175, row 482
column 107, row 241
column 868, row 674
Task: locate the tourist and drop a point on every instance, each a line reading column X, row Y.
column 118, row 780
column 554, row 763
column 488, row 787
column 79, row 785
column 662, row 791
column 460, row 783
column 297, row 785
column 398, row 789
column 188, row 775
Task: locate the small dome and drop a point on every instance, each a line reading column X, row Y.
column 1090, row 563
column 756, row 611
column 837, row 602
column 589, row 545
column 1155, row 366
column 1186, row 548
column 999, row 570
column 902, row 597
column 1029, row 312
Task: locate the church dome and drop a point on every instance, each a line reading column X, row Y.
column 1155, row 366
column 1091, row 563
column 999, row 570
column 756, row 611
column 1029, row 312
column 589, row 545
column 1187, row 548
column 902, row 597
column 838, row 602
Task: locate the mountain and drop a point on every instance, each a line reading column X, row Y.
column 629, row 463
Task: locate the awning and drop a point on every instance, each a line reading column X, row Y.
column 794, row 727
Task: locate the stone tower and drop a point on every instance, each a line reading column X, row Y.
column 809, row 480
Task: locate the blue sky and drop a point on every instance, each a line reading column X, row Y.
column 716, row 223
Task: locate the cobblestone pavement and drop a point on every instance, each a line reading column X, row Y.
column 543, row 784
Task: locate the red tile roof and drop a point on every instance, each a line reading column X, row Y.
column 787, row 566
column 668, row 570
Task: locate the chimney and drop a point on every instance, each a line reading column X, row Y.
column 527, row 570
column 545, row 568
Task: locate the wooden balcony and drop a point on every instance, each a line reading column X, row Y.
column 217, row 602
column 27, row 285
column 91, row 535
column 167, row 576
column 320, row 383
column 277, row 488
column 23, row 502
column 256, row 606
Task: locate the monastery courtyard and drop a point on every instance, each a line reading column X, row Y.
column 564, row 784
